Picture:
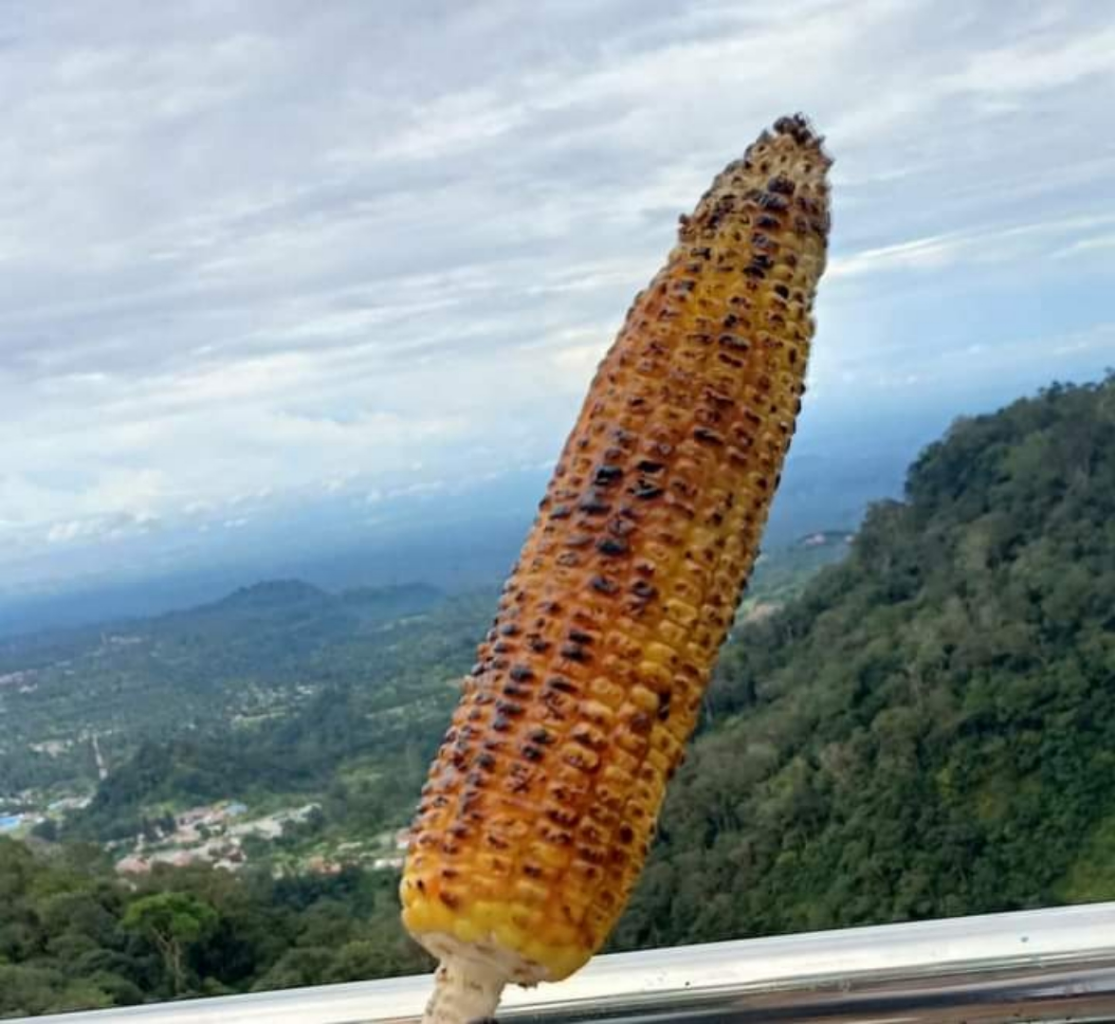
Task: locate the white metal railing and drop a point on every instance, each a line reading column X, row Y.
column 1041, row 965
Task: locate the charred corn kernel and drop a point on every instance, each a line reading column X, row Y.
column 540, row 804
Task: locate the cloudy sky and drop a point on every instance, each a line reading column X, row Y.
column 255, row 253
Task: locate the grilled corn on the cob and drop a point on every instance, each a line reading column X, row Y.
column 539, row 808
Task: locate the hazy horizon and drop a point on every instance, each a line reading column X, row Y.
column 280, row 280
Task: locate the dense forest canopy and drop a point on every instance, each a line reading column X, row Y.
column 927, row 730
column 72, row 937
column 930, row 729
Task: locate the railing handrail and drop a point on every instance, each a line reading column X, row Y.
column 1041, row 965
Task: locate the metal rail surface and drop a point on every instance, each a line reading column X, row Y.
column 1041, row 965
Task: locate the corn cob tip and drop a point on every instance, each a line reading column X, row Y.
column 785, row 171
column 799, row 128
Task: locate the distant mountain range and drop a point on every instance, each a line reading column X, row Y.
column 454, row 541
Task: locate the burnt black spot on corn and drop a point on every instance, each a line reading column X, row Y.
column 629, row 582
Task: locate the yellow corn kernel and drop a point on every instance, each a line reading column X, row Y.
column 543, row 796
column 644, row 699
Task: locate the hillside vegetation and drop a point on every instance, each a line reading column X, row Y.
column 927, row 729
column 262, row 653
column 930, row 729
column 72, row 937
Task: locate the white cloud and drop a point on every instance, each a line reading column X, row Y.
column 920, row 253
column 1038, row 65
column 1087, row 247
column 260, row 248
column 998, row 245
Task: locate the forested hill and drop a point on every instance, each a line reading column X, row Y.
column 930, row 729
column 260, row 653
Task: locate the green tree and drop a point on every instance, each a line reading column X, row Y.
column 175, row 922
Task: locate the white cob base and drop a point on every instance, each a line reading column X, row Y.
column 471, row 977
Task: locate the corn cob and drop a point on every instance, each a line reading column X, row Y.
column 540, row 805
